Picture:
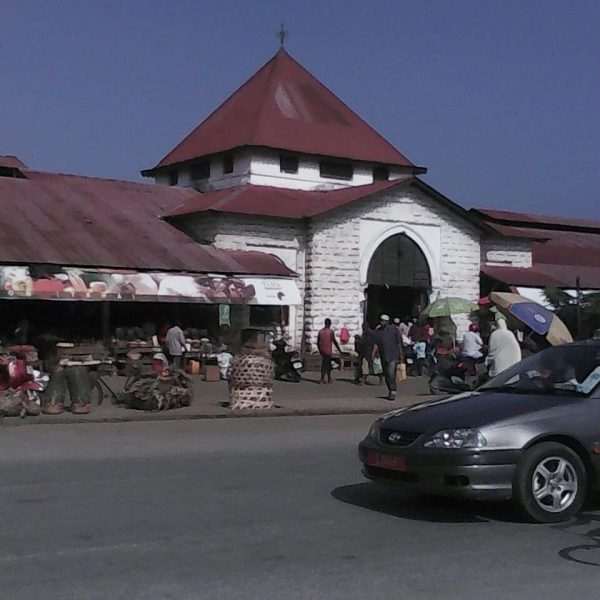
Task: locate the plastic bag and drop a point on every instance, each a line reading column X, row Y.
column 377, row 367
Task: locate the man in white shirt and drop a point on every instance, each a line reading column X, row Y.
column 175, row 342
column 472, row 343
column 404, row 327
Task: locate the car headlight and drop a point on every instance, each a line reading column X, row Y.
column 374, row 431
column 456, row 438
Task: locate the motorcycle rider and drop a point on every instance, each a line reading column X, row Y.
column 472, row 344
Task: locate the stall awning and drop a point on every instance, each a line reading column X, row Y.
column 70, row 283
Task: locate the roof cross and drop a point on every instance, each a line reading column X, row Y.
column 282, row 34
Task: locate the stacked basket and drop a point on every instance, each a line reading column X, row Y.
column 251, row 379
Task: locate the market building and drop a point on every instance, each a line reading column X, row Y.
column 282, row 207
column 83, row 258
column 285, row 167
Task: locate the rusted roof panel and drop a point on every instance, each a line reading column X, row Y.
column 527, row 277
column 86, row 221
column 516, row 219
column 280, row 202
column 283, row 106
column 562, row 249
column 11, row 162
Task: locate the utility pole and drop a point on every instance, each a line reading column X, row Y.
column 578, row 293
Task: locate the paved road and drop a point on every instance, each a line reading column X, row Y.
column 254, row 508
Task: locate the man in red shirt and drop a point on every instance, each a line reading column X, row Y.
column 325, row 343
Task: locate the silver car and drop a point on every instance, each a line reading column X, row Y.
column 532, row 435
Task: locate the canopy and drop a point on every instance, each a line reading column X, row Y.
column 70, row 283
column 534, row 315
column 446, row 307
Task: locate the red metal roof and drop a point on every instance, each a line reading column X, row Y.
column 86, row 221
column 589, row 276
column 537, row 221
column 520, row 276
column 562, row 249
column 284, row 106
column 280, row 202
column 12, row 162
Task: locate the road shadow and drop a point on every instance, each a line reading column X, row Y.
column 585, row 528
column 423, row 508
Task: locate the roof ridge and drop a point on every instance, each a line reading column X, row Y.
column 330, row 91
column 543, row 221
column 94, row 177
column 218, row 108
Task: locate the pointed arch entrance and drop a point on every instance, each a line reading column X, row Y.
column 398, row 279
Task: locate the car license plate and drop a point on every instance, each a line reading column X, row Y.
column 394, row 462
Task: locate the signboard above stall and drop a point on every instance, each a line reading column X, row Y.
column 69, row 283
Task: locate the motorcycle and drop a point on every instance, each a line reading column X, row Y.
column 288, row 365
column 461, row 374
column 20, row 387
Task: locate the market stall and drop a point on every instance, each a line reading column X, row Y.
column 122, row 314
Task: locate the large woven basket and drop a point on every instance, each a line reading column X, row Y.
column 251, row 379
column 251, row 370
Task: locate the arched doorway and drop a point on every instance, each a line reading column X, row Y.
column 398, row 279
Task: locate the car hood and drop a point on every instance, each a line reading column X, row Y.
column 471, row 409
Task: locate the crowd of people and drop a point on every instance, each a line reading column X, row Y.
column 388, row 349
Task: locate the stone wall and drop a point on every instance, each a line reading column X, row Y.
column 284, row 238
column 331, row 253
column 341, row 245
column 506, row 252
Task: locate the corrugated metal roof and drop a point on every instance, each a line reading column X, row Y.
column 528, row 277
column 283, row 106
column 537, row 221
column 12, row 162
column 86, row 221
column 280, row 202
column 562, row 249
column 567, row 274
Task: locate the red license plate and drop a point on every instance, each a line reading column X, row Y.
column 386, row 461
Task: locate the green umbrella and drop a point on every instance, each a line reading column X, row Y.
column 446, row 307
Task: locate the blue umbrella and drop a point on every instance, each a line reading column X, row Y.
column 535, row 316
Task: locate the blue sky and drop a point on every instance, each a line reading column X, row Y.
column 499, row 100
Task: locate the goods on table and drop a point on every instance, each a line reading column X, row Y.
column 85, row 353
column 251, row 379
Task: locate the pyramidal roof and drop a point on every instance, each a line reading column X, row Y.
column 283, row 106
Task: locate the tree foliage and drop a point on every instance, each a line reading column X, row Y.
column 565, row 306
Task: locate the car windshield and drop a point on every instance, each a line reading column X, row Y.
column 572, row 370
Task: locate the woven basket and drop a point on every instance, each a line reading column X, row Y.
column 251, row 371
column 251, row 398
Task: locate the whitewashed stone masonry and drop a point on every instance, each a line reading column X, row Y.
column 506, row 252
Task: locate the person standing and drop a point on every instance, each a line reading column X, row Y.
column 416, row 333
column 175, row 342
column 504, row 350
column 388, row 342
column 405, row 327
column 325, row 343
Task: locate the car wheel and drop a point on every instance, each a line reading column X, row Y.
column 550, row 483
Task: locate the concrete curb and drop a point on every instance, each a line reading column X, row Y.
column 140, row 416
